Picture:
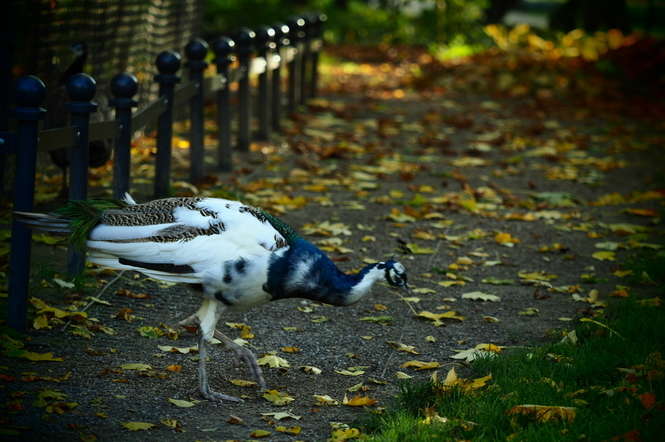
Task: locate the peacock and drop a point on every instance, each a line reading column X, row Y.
column 238, row 256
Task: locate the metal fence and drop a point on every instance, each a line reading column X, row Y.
column 121, row 36
column 264, row 55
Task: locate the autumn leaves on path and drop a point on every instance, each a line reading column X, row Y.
column 512, row 212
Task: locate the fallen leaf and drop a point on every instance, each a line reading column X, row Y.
column 420, row 365
column 403, row 347
column 140, row 367
column 277, row 398
column 437, row 317
column 350, row 372
column 242, row 383
column 506, row 239
column 279, row 415
column 181, row 403
column 324, row 399
column 137, row 426
column 260, row 434
column 310, row 369
column 544, row 413
column 358, row 401
column 480, row 296
column 274, row 361
column 289, row 430
column 604, row 256
column 529, row 311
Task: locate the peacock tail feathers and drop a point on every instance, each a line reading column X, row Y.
column 288, row 232
column 83, row 216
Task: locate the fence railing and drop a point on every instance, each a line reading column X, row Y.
column 263, row 53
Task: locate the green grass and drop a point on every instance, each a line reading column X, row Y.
column 609, row 376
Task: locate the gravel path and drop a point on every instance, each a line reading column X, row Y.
column 443, row 182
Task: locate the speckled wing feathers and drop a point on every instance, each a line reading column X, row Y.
column 173, row 235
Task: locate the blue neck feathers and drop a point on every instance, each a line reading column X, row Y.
column 304, row 271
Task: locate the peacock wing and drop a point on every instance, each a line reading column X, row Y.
column 181, row 239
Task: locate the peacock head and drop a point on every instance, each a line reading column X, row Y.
column 395, row 273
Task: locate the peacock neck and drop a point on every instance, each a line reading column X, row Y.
column 303, row 271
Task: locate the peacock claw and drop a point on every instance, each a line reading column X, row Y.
column 189, row 320
column 245, row 355
column 215, row 396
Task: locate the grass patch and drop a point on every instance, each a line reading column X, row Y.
column 605, row 380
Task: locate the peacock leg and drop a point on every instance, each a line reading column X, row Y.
column 204, row 385
column 246, row 356
column 189, row 320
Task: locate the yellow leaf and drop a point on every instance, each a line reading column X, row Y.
column 137, row 426
column 289, row 430
column 544, row 413
column 451, row 283
column 529, row 311
column 277, row 398
column 171, row 423
column 403, row 347
column 274, row 361
column 310, row 369
column 400, row 217
column 480, row 296
column 506, row 239
column 451, row 377
column 423, row 291
column 359, row 401
column 350, row 373
column 40, row 322
column 139, row 367
column 402, row 375
column 418, row 250
column 260, row 433
column 242, row 383
column 471, row 354
column 291, row 349
column 420, row 365
column 182, row 404
column 437, row 317
column 279, row 415
column 182, row 350
column 341, row 434
column 604, row 256
column 469, row 162
column 324, row 399
column 536, row 276
column 31, row 356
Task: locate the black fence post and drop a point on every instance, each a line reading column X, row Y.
column 281, row 39
column 196, row 51
column 319, row 20
column 294, row 66
column 81, row 89
column 264, row 47
column 168, row 63
column 305, row 42
column 223, row 58
column 123, row 87
column 245, row 41
column 30, row 93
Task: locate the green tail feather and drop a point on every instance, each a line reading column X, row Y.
column 288, row 232
column 83, row 216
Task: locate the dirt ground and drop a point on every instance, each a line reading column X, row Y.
column 470, row 164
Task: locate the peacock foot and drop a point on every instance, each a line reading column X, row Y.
column 245, row 355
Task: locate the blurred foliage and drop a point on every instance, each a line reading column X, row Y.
column 575, row 43
column 355, row 21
